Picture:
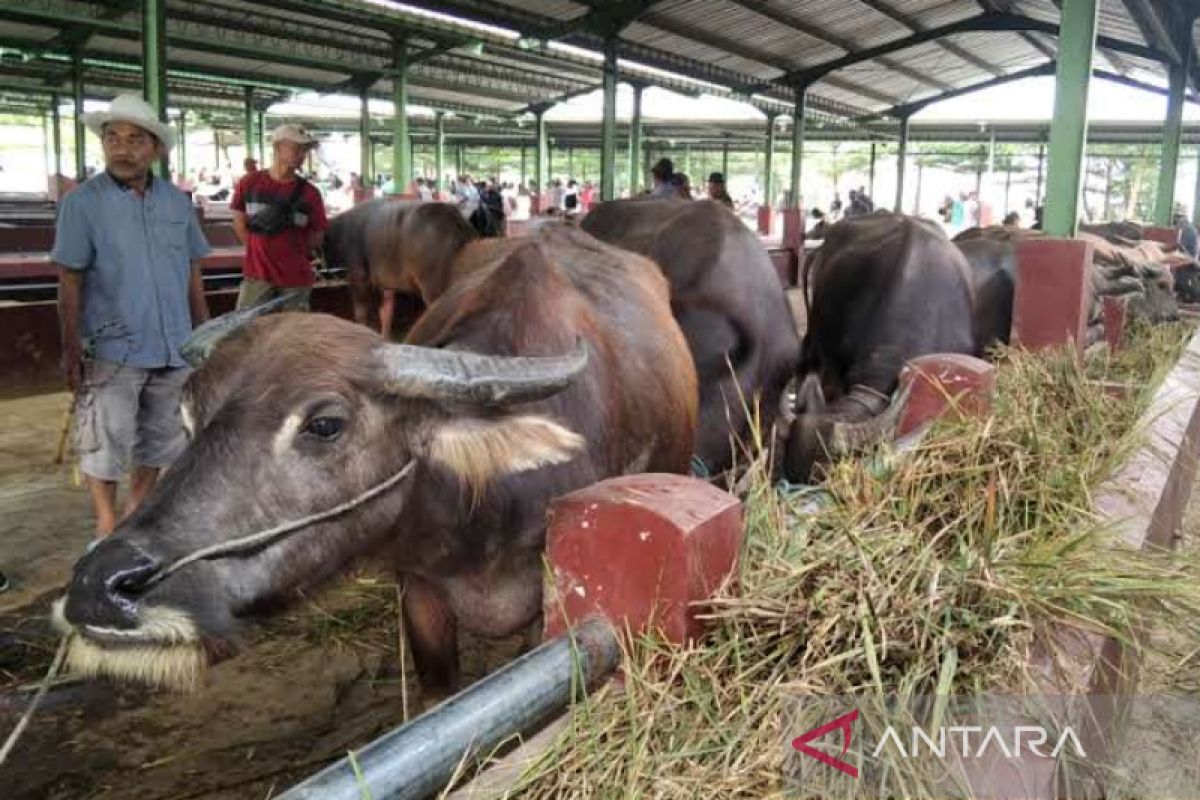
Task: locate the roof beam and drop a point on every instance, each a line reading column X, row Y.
column 820, row 34
column 914, row 26
column 908, row 109
column 1153, row 29
column 1033, row 41
column 719, row 42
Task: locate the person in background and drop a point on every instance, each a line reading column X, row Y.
column 662, row 172
column 587, row 196
column 1013, row 220
column 682, row 184
column 280, row 217
column 424, row 192
column 820, row 225
column 249, row 165
column 127, row 247
column 570, row 198
column 1188, row 237
column 717, row 192
column 835, row 207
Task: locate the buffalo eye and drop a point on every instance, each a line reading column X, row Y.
column 325, row 428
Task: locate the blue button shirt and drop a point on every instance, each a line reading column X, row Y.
column 135, row 253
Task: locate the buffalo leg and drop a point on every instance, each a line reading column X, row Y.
column 432, row 634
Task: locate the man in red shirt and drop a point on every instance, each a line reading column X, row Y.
column 280, row 217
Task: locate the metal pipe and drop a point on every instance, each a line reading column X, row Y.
column 418, row 758
column 872, row 181
column 183, row 143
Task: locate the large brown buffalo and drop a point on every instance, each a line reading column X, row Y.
column 887, row 288
column 726, row 296
column 542, row 364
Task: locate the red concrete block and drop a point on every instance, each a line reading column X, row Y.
column 766, row 220
column 1164, row 236
column 945, row 382
column 793, row 229
column 640, row 550
column 1053, row 293
column 1116, row 315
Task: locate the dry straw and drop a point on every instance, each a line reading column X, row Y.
column 932, row 578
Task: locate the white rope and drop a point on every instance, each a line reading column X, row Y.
column 55, row 666
column 265, row 537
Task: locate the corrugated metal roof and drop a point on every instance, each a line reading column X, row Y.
column 745, row 45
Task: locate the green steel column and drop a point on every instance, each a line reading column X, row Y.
column 571, row 162
column 46, row 146
column 768, row 166
column 364, row 134
column 1196, row 199
column 458, row 159
column 1172, row 135
column 248, row 121
column 608, row 135
column 80, row 130
column 1041, row 169
column 401, row 157
column 635, row 142
column 799, row 120
column 439, row 150
column 541, row 168
column 901, row 164
column 216, row 147
column 725, row 160
column 264, row 151
column 183, row 143
column 154, row 62
column 523, row 167
column 1068, row 133
column 872, row 179
column 56, row 128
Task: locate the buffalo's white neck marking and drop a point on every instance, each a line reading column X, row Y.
column 189, row 421
column 285, row 435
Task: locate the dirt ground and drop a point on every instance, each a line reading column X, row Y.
column 320, row 679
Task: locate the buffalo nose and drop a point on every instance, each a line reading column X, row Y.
column 107, row 584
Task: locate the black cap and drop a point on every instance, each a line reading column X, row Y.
column 716, row 177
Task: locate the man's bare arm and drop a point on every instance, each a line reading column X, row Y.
column 196, row 301
column 239, row 226
column 70, row 302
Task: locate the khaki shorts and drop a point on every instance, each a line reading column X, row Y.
column 253, row 291
column 128, row 416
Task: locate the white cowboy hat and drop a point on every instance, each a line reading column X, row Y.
column 132, row 109
column 293, row 133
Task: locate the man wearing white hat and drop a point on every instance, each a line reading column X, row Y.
column 126, row 245
column 280, row 217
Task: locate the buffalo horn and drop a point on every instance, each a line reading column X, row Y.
column 475, row 378
column 810, row 398
column 850, row 437
column 200, row 345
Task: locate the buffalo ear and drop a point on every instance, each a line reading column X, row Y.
column 479, row 449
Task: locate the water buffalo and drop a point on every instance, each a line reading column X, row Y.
column 887, row 288
column 726, row 297
column 542, row 364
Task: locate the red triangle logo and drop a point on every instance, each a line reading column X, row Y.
column 843, row 723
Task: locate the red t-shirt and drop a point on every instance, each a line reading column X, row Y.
column 282, row 259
